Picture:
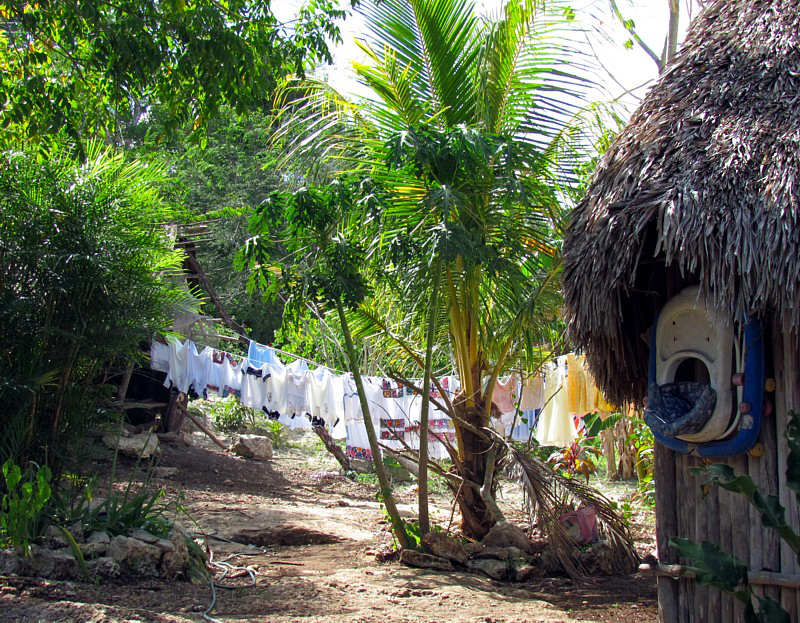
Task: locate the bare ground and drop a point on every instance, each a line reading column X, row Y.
column 313, row 538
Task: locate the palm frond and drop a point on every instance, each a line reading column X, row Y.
column 548, row 495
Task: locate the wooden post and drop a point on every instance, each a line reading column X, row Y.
column 202, row 427
column 666, row 527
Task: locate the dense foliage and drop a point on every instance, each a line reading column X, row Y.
column 80, row 66
column 85, row 280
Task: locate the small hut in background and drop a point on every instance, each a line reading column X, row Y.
column 702, row 189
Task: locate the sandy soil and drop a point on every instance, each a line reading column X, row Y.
column 314, row 540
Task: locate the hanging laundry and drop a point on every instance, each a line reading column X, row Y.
column 178, row 374
column 159, row 356
column 556, row 427
column 580, row 388
column 276, row 389
column 502, row 396
column 199, row 365
column 296, row 407
column 258, row 354
column 532, row 393
column 254, row 386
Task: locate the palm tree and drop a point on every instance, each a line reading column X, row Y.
column 471, row 114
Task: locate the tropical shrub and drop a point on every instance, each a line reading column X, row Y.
column 21, row 509
column 86, row 282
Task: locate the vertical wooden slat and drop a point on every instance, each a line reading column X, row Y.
column 790, row 401
column 741, row 529
column 682, row 530
column 666, row 527
column 714, row 595
column 768, row 474
column 726, row 544
column 699, row 505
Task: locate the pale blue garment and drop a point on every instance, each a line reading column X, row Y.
column 525, row 423
column 258, row 355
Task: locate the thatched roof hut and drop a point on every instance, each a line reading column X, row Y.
column 703, row 186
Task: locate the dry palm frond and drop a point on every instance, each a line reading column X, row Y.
column 548, row 495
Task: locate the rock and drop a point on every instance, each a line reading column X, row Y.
column 515, row 552
column 175, row 563
column 495, row 569
column 549, row 563
column 445, row 547
column 525, row 572
column 99, row 537
column 397, row 473
column 473, row 548
column 261, row 432
column 9, row 562
column 55, row 537
column 425, row 561
column 144, row 536
column 252, row 447
column 361, row 466
column 165, row 472
column 135, row 556
column 104, row 567
column 93, row 550
column 53, row 564
column 498, row 553
column 506, row 534
column 143, row 445
column 599, row 559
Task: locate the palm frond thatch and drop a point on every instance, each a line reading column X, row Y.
column 701, row 187
column 547, row 496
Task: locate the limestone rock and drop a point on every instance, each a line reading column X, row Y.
column 55, row 538
column 9, row 562
column 134, row 555
column 165, row 472
column 144, row 536
column 524, row 572
column 252, row 447
column 506, row 534
column 361, row 466
column 495, row 569
column 143, row 445
column 53, row 564
column 473, row 548
column 103, row 567
column 100, row 536
column 445, row 547
column 498, row 553
column 175, row 563
column 425, row 561
column 93, row 550
column 515, row 552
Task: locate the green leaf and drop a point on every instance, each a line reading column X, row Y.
column 628, row 44
column 712, row 566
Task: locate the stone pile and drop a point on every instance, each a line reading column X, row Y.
column 504, row 554
column 138, row 554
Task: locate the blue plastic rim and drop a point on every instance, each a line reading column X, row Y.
column 753, row 393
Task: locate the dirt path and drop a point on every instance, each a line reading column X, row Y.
column 313, row 539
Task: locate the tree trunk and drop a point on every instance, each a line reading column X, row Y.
column 334, row 449
column 383, row 481
column 476, row 518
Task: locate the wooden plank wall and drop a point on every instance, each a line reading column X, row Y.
column 726, row 518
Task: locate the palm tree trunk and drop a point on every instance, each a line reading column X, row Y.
column 424, row 519
column 383, row 480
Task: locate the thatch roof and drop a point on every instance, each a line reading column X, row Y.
column 702, row 186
